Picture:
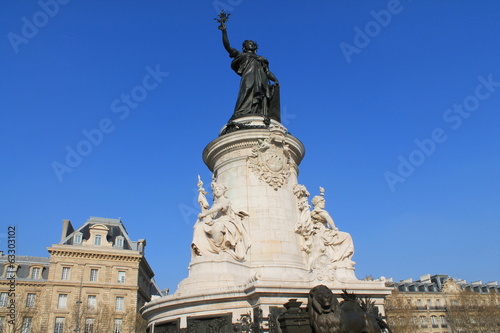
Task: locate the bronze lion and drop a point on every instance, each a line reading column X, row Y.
column 326, row 315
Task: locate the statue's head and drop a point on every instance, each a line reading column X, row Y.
column 317, row 200
column 218, row 189
column 250, row 45
column 321, row 302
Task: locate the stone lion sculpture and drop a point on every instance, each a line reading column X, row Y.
column 327, row 315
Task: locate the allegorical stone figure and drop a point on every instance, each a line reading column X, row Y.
column 321, row 236
column 338, row 245
column 256, row 95
column 219, row 228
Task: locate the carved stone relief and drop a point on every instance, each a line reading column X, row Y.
column 270, row 159
column 451, row 286
column 220, row 324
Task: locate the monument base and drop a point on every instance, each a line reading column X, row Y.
column 260, row 244
column 259, row 302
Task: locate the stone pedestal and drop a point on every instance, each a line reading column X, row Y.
column 295, row 319
column 259, row 167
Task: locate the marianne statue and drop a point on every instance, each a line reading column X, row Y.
column 256, row 95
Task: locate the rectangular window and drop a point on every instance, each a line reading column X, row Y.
column 119, row 303
column 35, row 273
column 119, row 241
column 26, row 326
column 30, row 300
column 118, row 326
column 62, row 301
column 2, row 324
column 92, row 302
column 59, row 325
column 121, row 277
column 89, row 325
column 93, row 274
column 97, row 240
column 65, row 273
column 4, row 300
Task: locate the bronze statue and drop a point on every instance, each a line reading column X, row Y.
column 256, row 95
column 327, row 315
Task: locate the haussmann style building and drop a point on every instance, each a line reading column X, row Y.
column 94, row 280
column 440, row 304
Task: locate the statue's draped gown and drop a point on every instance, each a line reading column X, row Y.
column 254, row 86
column 338, row 244
column 232, row 234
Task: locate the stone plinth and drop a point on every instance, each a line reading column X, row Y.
column 258, row 166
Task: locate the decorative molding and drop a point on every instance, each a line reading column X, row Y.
column 217, row 151
column 100, row 256
column 450, row 286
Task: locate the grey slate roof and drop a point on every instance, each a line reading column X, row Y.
column 25, row 262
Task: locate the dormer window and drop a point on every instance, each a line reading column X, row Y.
column 77, row 238
column 119, row 241
column 98, row 236
column 10, row 270
column 35, row 273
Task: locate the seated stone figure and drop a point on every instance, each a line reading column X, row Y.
column 337, row 245
column 220, row 228
column 326, row 246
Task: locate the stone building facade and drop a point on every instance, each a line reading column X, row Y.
column 441, row 304
column 95, row 279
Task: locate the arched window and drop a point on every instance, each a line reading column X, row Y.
column 442, row 319
column 434, row 322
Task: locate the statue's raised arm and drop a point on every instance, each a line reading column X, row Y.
column 257, row 96
column 223, row 18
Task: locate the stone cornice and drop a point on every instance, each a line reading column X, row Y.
column 24, row 283
column 81, row 253
column 246, row 139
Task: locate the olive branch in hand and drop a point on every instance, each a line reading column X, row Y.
column 222, row 19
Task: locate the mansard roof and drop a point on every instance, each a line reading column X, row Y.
column 115, row 229
column 435, row 283
column 24, row 264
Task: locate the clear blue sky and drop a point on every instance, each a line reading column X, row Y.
column 358, row 102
